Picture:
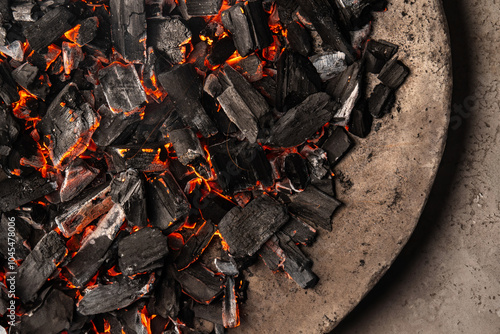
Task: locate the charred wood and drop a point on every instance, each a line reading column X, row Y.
column 337, row 144
column 17, row 192
column 393, row 74
column 77, row 176
column 381, row 101
column 189, row 151
column 112, row 125
column 127, row 190
column 9, row 130
column 8, row 91
column 200, row 283
column 221, row 51
column 195, row 245
column 49, row 28
column 15, row 240
column 144, row 158
column 361, row 120
column 203, row 7
column 377, row 54
column 166, row 298
column 230, row 312
column 31, row 79
column 299, row 231
column 297, row 172
column 167, row 36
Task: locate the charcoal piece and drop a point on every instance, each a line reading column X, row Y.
column 39, row 265
column 68, row 126
column 316, row 161
column 8, row 89
column 16, row 232
column 122, row 88
column 337, row 144
column 14, row 50
column 171, row 123
column 393, row 74
column 87, row 31
column 298, row 38
column 212, row 86
column 25, row 11
column 267, row 88
column 17, row 192
column 166, row 298
column 195, row 245
column 185, row 88
column 213, row 207
column 166, row 202
column 297, row 79
column 253, row 158
column 188, row 148
column 148, row 129
column 226, row 267
column 91, row 255
column 251, row 68
column 296, row 264
column 82, row 210
column 314, row 207
column 297, row 172
column 211, row 312
column 203, row 7
column 299, row 231
column 142, row 251
column 199, row 283
column 329, row 64
column 381, row 101
column 168, row 35
column 9, row 130
column 72, row 56
column 377, row 54
column 128, row 29
column 230, row 312
column 222, row 49
column 246, row 229
column 127, row 190
column 300, row 122
column 76, row 177
column 112, row 125
column 144, row 158
column 361, row 120
column 49, row 28
column 322, row 16
column 35, row 82
column 106, row 298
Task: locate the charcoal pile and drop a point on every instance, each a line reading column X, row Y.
column 153, row 151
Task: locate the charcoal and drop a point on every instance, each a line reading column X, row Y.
column 166, row 203
column 168, row 35
column 105, row 298
column 253, row 158
column 17, row 192
column 49, row 28
column 68, row 125
column 112, row 125
column 8, row 91
column 148, row 129
column 381, row 101
column 361, row 120
column 250, row 67
column 142, row 251
column 322, row 16
column 301, row 122
column 195, row 245
column 230, row 312
column 127, row 190
column 212, row 86
column 267, row 88
column 28, row 76
column 144, row 158
column 91, row 255
column 337, row 144
column 219, row 329
column 247, row 23
column 299, row 231
column 72, row 56
column 128, row 29
column 76, row 177
column 184, row 88
column 298, row 38
column 189, row 151
column 329, row 64
column 226, row 267
column 393, row 74
column 122, row 88
column 246, row 229
column 87, row 31
column 314, row 207
column 213, row 207
column 39, row 266
column 297, row 172
column 16, row 239
column 9, row 130
column 222, row 49
column 297, row 80
column 296, row 264
column 82, row 210
column 14, row 50
column 203, row 7
column 377, row 54
column 199, row 283
column 211, row 312
column 25, row 11
column 166, row 298
column 316, row 161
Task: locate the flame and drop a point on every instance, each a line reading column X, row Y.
column 146, row 320
column 73, row 33
column 107, row 326
column 223, row 242
column 112, row 272
column 21, row 109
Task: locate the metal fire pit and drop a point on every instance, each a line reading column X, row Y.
column 385, row 183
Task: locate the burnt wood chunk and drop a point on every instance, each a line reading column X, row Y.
column 167, row 36
column 72, row 56
column 128, row 29
column 381, row 101
column 253, row 158
column 297, row 172
column 230, row 312
column 122, row 88
column 329, row 64
column 227, row 267
column 337, row 144
column 166, row 202
column 15, row 241
column 251, row 68
column 17, row 192
column 361, row 120
column 77, row 176
column 195, row 245
column 106, row 298
column 87, row 31
column 82, row 210
column 144, row 158
column 246, row 229
column 298, row 38
column 166, row 298
column 142, row 251
column 301, row 122
column 221, row 51
column 377, row 54
column 211, row 312
column 314, row 207
column 213, row 207
column 49, row 28
column 203, row 7
column 316, row 161
column 393, row 74
column 127, row 190
column 185, row 88
column 188, row 148
column 112, row 125
column 8, row 90
column 30, row 78
column 299, row 231
column 91, row 254
column 200, row 283
column 39, row 265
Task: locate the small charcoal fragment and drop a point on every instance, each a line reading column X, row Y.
column 112, row 125
column 381, row 101
column 17, row 192
column 230, row 312
column 76, row 177
column 393, row 74
column 31, row 79
column 8, row 91
column 168, row 35
column 127, row 190
column 195, row 245
column 166, row 298
column 377, row 54
column 49, row 28
column 337, row 144
column 203, row 7
column 297, row 172
column 361, row 120
column 299, row 231
column 144, row 158
column 200, row 283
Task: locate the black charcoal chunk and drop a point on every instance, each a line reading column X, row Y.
column 251, row 68
column 200, row 283
column 127, row 190
column 8, row 89
column 297, row 172
column 329, row 64
column 77, row 176
column 112, row 125
column 25, row 11
column 144, row 158
column 393, row 74
column 87, row 31
column 195, row 245
column 252, row 157
column 298, row 38
column 381, row 101
column 316, row 161
column 211, row 312
column 203, row 7
column 49, row 28
column 168, row 35
column 188, row 148
column 337, row 144
column 377, row 54
column 31, row 79
column 9, row 130
column 226, row 267
column 166, row 297
column 72, row 56
column 230, row 311
column 213, row 207
column 299, row 231
column 222, row 49
column 15, row 241
column 361, row 120
column 17, row 192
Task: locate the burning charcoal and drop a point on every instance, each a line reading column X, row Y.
column 267, row 88
column 112, row 125
column 203, row 7
column 314, row 207
column 84, row 32
column 106, row 298
column 9, row 130
column 142, row 251
column 337, row 144
column 298, row 38
column 14, row 50
column 253, row 158
column 221, row 51
column 17, row 192
column 128, row 29
column 211, row 312
column 25, row 11
column 230, row 311
column 148, row 129
column 361, row 120
column 322, row 16
column 72, row 56
column 296, row 264
column 301, row 122
column 381, row 101
column 166, row 203
column 83, row 209
column 250, row 67
column 144, row 158
column 247, row 22
column 122, row 88
column 15, row 238
column 195, row 245
column 226, row 267
column 299, row 231
column 54, row 316
column 90, row 256
column 212, row 86
column 168, row 36
column 8, row 90
column 127, row 190
column 377, row 54
column 189, row 151
column 297, row 172
column 213, row 207
column 35, row 82
column 297, row 79
column 184, row 88
column 393, row 74
column 199, row 283
column 68, row 125
column 76, row 177
column 246, row 229
column 329, row 64
column 316, row 161
column 39, row 265
column 166, row 297
column 49, row 28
